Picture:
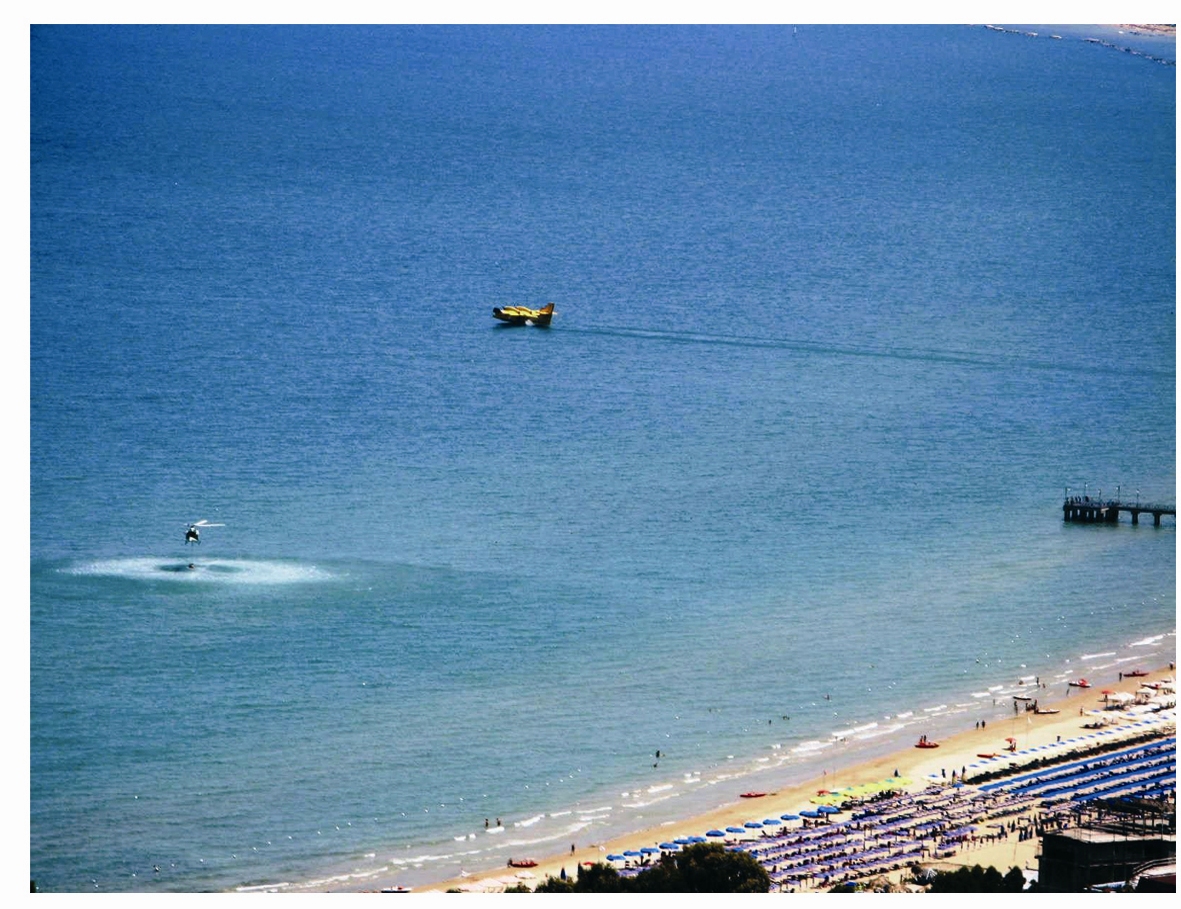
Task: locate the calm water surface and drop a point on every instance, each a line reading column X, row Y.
column 841, row 313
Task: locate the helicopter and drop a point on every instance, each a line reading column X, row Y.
column 193, row 534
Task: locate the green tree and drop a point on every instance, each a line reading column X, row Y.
column 552, row 884
column 704, row 868
column 978, row 880
column 1014, row 881
column 598, row 878
column 701, row 868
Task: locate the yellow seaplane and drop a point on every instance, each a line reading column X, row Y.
column 520, row 315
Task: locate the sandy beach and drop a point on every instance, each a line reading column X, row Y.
column 917, row 767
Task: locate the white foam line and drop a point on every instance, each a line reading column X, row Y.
column 884, row 730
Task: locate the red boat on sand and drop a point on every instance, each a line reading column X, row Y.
column 522, row 863
column 752, row 795
column 1080, row 683
column 925, row 742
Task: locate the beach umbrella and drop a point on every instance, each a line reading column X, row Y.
column 735, row 830
column 828, row 809
column 649, row 850
column 632, row 853
column 789, row 817
column 714, row 833
column 616, row 858
column 673, row 846
column 684, row 841
column 771, row 822
column 753, row 825
column 698, row 839
column 809, row 813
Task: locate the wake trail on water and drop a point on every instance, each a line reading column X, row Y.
column 202, row 571
column 962, row 357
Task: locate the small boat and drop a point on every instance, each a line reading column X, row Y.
column 752, row 795
column 522, row 863
column 521, row 315
column 925, row 742
column 1080, row 683
column 1136, row 674
column 398, row 889
column 1045, row 710
column 989, row 755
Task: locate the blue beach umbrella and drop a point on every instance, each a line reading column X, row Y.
column 808, row 812
column 736, row 830
column 753, row 825
column 673, row 846
column 714, row 833
column 632, row 853
column 771, row 822
column 702, row 839
column 684, row 841
column 828, row 809
column 616, row 858
column 789, row 817
column 649, row 850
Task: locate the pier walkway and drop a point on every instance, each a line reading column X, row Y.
column 1089, row 510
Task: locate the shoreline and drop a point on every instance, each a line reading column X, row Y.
column 1148, row 29
column 957, row 753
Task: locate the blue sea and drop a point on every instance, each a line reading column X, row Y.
column 842, row 314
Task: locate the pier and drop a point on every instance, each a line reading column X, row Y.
column 1090, row 510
